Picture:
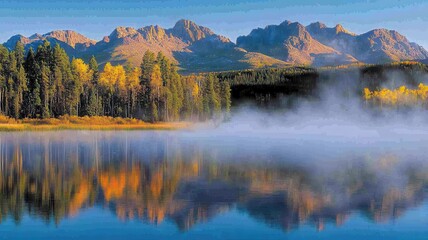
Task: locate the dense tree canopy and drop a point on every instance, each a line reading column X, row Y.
column 45, row 83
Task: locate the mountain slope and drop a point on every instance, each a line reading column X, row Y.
column 291, row 42
column 215, row 53
column 317, row 44
column 68, row 37
column 196, row 48
column 189, row 31
column 381, row 45
column 71, row 41
column 128, row 45
column 336, row 37
column 376, row 46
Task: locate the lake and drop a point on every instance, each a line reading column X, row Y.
column 227, row 183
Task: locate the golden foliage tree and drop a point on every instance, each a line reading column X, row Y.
column 401, row 96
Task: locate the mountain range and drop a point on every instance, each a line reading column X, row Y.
column 196, row 48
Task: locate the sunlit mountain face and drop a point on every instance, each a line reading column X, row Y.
column 189, row 180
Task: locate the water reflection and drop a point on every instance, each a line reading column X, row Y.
column 155, row 176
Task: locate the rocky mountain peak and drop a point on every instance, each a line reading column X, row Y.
column 189, row 31
column 36, row 36
column 153, row 33
column 196, row 47
column 70, row 37
column 121, row 32
column 340, row 29
column 317, row 25
column 16, row 38
column 385, row 33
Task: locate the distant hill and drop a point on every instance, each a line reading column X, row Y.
column 196, row 48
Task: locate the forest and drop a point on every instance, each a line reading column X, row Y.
column 265, row 86
column 46, row 83
column 368, row 80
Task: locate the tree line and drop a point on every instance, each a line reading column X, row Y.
column 46, row 84
column 266, row 86
column 271, row 76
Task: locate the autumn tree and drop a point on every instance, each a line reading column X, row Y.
column 112, row 80
column 83, row 75
column 132, row 90
column 46, row 84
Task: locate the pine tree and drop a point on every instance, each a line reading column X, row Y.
column 32, row 99
column 4, row 59
column 21, row 88
column 19, row 84
column 215, row 97
column 154, row 112
column 225, row 97
column 211, row 102
column 95, row 104
column 44, row 91
column 62, row 80
column 44, row 59
column 11, row 99
column 145, row 89
column 91, row 109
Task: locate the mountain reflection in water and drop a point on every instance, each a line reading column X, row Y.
column 159, row 176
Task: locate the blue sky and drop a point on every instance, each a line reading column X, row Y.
column 98, row 18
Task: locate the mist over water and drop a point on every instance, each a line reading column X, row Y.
column 327, row 163
column 334, row 123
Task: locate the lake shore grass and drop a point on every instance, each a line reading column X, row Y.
column 85, row 123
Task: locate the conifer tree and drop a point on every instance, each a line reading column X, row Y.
column 47, row 84
column 145, row 90
column 4, row 59
column 32, row 99
column 225, row 97
column 95, row 104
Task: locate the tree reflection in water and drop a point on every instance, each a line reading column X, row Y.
column 155, row 176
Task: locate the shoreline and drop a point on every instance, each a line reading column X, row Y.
column 47, row 127
column 86, row 123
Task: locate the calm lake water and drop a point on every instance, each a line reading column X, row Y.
column 212, row 185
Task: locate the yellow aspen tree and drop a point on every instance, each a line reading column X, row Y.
column 155, row 85
column 81, row 70
column 132, row 88
column 107, row 77
column 120, row 75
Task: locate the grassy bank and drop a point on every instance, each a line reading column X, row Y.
column 85, row 123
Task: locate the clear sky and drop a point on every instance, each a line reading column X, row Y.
column 233, row 18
